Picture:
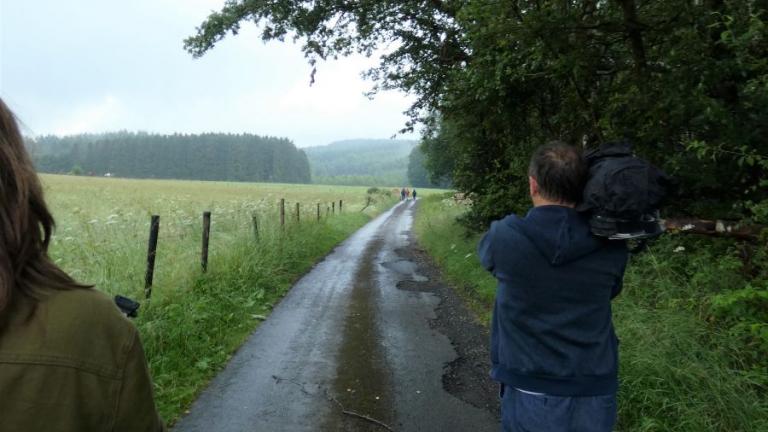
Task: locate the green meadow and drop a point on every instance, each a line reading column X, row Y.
column 103, row 224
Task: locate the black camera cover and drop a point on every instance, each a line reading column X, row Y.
column 623, row 193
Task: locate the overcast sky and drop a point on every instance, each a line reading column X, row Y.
column 102, row 65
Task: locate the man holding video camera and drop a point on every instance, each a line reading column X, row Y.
column 553, row 347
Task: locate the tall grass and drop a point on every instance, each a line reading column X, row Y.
column 680, row 371
column 103, row 224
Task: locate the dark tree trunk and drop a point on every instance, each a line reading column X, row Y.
column 635, row 32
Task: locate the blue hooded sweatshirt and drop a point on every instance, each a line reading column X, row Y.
column 552, row 331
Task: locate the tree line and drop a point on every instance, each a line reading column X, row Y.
column 365, row 162
column 209, row 156
column 419, row 176
column 372, row 162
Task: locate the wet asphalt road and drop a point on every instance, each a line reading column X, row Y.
column 344, row 344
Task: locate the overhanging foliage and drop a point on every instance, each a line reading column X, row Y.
column 686, row 80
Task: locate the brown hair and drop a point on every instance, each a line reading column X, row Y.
column 26, row 225
column 560, row 170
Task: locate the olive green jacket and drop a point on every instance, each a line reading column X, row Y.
column 75, row 364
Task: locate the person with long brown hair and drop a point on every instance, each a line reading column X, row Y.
column 69, row 360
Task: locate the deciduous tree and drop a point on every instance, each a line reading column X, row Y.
column 686, row 80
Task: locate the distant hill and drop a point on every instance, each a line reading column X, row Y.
column 365, row 162
column 210, row 156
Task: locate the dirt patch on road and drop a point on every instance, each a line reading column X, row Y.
column 466, row 377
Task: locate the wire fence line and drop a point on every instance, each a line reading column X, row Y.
column 257, row 225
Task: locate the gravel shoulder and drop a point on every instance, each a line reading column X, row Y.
column 466, row 377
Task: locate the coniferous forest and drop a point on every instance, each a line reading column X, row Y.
column 363, row 162
column 210, row 156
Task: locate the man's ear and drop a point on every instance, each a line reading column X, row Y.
column 533, row 186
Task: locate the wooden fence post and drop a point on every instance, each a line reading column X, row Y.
column 255, row 219
column 206, row 237
column 298, row 210
column 333, row 207
column 154, row 228
column 340, row 203
column 282, row 212
column 318, row 212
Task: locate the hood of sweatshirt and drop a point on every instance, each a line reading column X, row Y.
column 560, row 233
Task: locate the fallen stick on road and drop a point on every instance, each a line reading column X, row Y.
column 360, row 416
column 344, row 411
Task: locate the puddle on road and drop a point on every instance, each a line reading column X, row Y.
column 406, row 268
column 362, row 381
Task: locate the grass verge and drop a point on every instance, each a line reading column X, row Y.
column 680, row 370
column 455, row 252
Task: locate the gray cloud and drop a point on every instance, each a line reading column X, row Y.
column 90, row 66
